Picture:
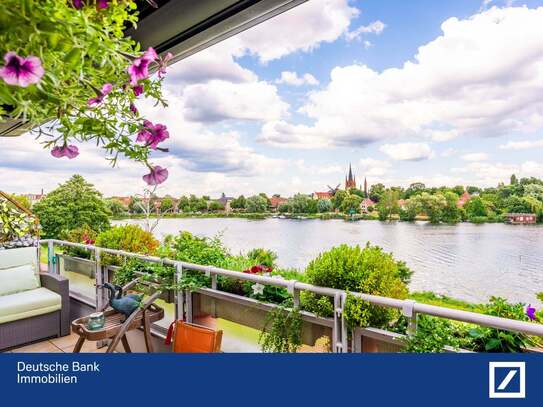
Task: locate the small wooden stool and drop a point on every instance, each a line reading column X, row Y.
column 116, row 328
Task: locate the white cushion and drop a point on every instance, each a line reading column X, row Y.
column 17, row 257
column 18, row 279
column 28, row 304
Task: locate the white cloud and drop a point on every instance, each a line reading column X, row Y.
column 460, row 82
column 221, row 100
column 376, row 27
column 374, row 168
column 490, row 174
column 303, row 28
column 213, row 63
column 522, row 145
column 301, row 165
column 292, row 78
column 407, row 151
column 475, row 157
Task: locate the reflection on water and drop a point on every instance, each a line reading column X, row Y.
column 467, row 261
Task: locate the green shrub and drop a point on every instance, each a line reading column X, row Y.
column 72, row 205
column 496, row 340
column 130, row 238
column 84, row 235
column 263, row 256
column 478, row 219
column 367, row 270
column 433, row 334
column 192, row 249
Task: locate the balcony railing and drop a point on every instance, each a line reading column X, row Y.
column 208, row 299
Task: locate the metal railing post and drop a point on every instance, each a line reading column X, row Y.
column 101, row 299
column 339, row 340
column 408, row 311
column 51, row 257
column 179, row 296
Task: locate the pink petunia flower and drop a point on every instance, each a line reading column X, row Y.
column 152, row 134
column 138, row 90
column 21, row 71
column 101, row 4
column 140, row 66
column 530, row 312
column 163, row 63
column 106, row 89
column 157, row 176
column 70, row 151
column 133, row 108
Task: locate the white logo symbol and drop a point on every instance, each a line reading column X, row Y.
column 507, row 380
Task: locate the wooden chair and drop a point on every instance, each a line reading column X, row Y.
column 116, row 326
column 192, row 338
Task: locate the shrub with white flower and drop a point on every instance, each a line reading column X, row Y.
column 70, row 72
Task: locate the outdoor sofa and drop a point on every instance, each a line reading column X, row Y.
column 33, row 305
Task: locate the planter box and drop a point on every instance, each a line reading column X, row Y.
column 76, row 265
column 252, row 313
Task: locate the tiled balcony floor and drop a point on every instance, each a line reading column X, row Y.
column 63, row 344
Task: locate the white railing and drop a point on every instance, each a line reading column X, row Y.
column 409, row 308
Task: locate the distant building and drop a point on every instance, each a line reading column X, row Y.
column 225, row 201
column 33, row 198
column 366, row 204
column 521, row 218
column 463, row 199
column 277, row 200
column 322, row 195
column 123, row 200
column 350, row 180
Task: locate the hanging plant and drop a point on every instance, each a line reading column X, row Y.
column 282, row 330
column 70, row 73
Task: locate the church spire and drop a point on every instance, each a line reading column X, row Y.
column 350, row 181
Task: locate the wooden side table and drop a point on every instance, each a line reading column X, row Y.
column 116, row 327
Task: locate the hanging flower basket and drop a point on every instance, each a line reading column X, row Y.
column 69, row 73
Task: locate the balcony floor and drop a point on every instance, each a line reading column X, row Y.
column 63, row 344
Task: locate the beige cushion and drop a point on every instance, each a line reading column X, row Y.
column 17, row 279
column 17, row 257
column 28, row 304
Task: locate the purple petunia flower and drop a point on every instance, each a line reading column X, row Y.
column 140, row 66
column 101, row 4
column 157, row 176
column 163, row 62
column 78, row 4
column 530, row 312
column 106, row 89
column 21, row 71
column 152, row 134
column 138, row 90
column 70, row 151
column 133, row 108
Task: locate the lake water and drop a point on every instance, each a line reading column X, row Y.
column 466, row 261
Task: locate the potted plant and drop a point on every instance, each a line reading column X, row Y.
column 70, row 74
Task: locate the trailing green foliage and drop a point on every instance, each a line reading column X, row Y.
column 14, row 223
column 80, row 50
column 282, row 331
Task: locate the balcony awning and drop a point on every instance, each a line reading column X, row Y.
column 185, row 27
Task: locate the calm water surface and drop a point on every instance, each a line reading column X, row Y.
column 467, row 261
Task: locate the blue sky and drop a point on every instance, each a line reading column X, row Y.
column 447, row 92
